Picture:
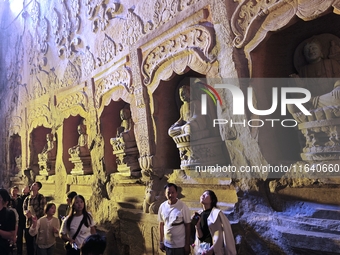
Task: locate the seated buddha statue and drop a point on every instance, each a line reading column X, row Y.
column 81, row 149
column 191, row 121
column 317, row 68
column 125, row 137
column 49, row 150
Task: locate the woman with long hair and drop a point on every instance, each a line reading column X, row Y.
column 46, row 228
column 213, row 230
column 78, row 225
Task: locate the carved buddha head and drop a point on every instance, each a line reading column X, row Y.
column 313, row 51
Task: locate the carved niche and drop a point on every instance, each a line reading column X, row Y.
column 80, row 153
column 47, row 157
column 198, row 142
column 321, row 77
column 125, row 147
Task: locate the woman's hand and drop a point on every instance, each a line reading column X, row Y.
column 209, row 252
column 34, row 221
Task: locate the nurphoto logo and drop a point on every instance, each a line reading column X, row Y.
column 283, row 94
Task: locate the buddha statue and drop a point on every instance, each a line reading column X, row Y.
column 321, row 76
column 49, row 150
column 190, row 122
column 81, row 149
column 194, row 133
column 316, row 70
column 125, row 137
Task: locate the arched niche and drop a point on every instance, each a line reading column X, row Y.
column 36, row 145
column 70, row 139
column 109, row 122
column 15, row 154
column 274, row 58
column 165, row 112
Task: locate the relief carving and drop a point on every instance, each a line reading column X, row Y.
column 165, row 10
column 35, row 12
column 196, row 38
column 16, row 125
column 73, row 100
column 134, row 28
column 55, row 26
column 107, row 51
column 244, row 15
column 40, row 114
column 121, row 77
column 102, row 11
column 71, row 75
column 185, row 3
column 66, row 38
column 88, row 62
column 44, row 36
column 38, row 90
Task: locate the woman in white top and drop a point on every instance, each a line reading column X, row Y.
column 46, row 228
column 78, row 215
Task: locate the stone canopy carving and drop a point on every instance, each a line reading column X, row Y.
column 196, row 38
column 322, row 68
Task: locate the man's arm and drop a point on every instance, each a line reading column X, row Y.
column 161, row 236
column 187, row 238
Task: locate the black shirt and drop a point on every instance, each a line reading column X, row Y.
column 205, row 228
column 7, row 223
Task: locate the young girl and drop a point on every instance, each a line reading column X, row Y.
column 46, row 229
column 77, row 218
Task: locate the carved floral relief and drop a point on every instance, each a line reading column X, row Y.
column 120, row 77
column 165, row 10
column 71, row 75
column 88, row 62
column 134, row 28
column 35, row 12
column 44, row 36
column 196, row 38
column 107, row 51
column 72, row 101
column 101, row 13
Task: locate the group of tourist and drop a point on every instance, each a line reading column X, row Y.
column 30, row 214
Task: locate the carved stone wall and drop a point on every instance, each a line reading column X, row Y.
column 67, row 61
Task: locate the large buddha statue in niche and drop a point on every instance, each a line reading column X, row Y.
column 322, row 139
column 125, row 137
column 47, row 157
column 316, row 69
column 49, row 150
column 197, row 140
column 191, row 122
column 124, row 145
column 81, row 149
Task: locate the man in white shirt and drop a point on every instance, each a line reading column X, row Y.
column 174, row 224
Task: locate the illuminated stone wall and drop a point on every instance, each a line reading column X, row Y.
column 76, row 64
